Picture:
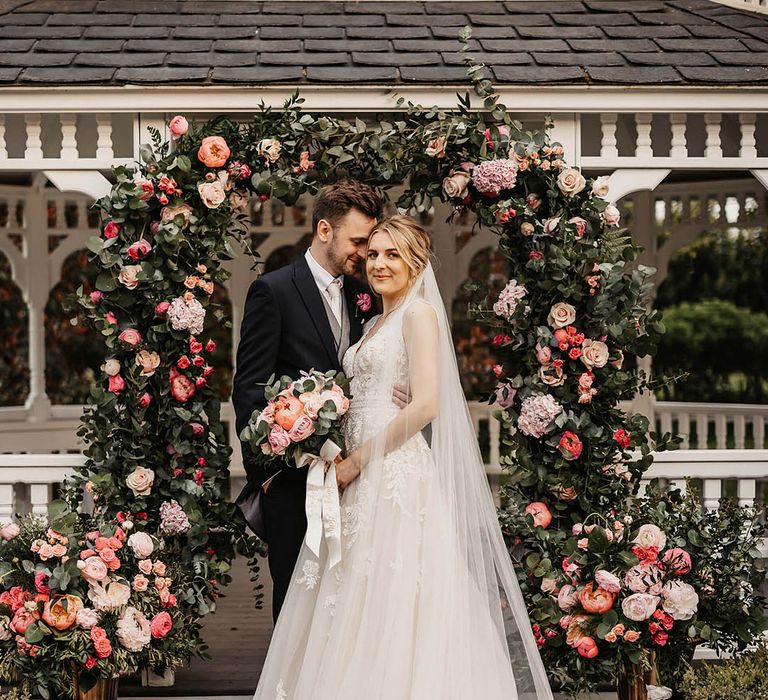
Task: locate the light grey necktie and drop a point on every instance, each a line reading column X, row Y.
column 334, row 292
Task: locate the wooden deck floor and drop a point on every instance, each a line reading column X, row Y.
column 238, row 636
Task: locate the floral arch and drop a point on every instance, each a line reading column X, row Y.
column 157, row 454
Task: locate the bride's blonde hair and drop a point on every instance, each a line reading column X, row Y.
column 410, row 240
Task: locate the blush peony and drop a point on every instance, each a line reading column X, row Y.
column 542, row 517
column 640, row 606
column 213, row 152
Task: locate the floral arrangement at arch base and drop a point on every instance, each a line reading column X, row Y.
column 156, row 450
column 608, row 577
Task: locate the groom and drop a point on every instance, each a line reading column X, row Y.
column 302, row 316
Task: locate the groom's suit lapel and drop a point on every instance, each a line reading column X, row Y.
column 310, row 295
column 353, row 312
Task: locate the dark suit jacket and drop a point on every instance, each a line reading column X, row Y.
column 285, row 330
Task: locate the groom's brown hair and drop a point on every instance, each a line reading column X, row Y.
column 336, row 200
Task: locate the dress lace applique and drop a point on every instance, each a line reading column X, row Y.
column 281, row 692
column 354, row 516
column 311, row 571
column 330, row 604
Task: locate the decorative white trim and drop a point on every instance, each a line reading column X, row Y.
column 216, row 99
column 89, row 182
column 625, row 181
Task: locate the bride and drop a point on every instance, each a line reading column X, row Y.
column 424, row 603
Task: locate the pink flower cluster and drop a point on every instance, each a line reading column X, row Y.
column 173, row 519
column 492, row 176
column 536, row 413
column 186, row 314
column 510, row 296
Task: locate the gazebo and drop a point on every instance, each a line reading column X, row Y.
column 669, row 97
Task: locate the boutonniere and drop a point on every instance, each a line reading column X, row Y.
column 363, row 303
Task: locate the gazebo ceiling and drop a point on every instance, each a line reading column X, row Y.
column 242, row 42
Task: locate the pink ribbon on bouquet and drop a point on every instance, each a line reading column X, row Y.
column 322, row 501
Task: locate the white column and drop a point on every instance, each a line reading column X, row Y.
column 36, row 290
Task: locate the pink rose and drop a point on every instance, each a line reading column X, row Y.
column 567, row 597
column 128, row 276
column 178, row 126
column 145, row 566
column 145, row 399
column 170, row 213
column 571, row 182
column 198, row 429
column 162, row 308
column 436, row 147
column 182, row 388
column 213, row 152
column 580, row 224
column 631, row 636
column 160, row 625
column 140, row 583
column 212, row 193
column 110, row 318
column 570, row 445
column 9, row 531
column 111, row 230
column 302, row 429
column 279, row 439
column 543, row 354
column 22, row 619
column 611, row 216
column 363, row 302
column 456, row 185
column 594, row 353
column 130, row 336
column 139, row 249
column 158, row 568
column 96, row 296
column 93, row 569
column 587, row 647
column 148, row 361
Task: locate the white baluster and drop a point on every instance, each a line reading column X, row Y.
column 68, row 136
column 748, row 147
column 34, row 147
column 679, row 144
column 666, row 422
column 746, row 491
column 6, row 502
column 494, row 433
column 758, row 430
column 684, row 428
column 3, row 150
column 104, row 149
column 40, row 497
column 713, row 489
column 702, row 431
column 721, row 431
column 713, row 148
column 643, row 147
column 739, row 431
column 608, row 143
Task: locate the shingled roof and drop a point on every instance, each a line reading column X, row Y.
column 194, row 42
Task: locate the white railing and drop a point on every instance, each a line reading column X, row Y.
column 723, row 423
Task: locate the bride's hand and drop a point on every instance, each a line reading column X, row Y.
column 348, row 470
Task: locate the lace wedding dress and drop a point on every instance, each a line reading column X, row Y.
column 407, row 614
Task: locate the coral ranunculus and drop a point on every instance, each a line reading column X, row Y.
column 61, row 612
column 542, row 517
column 596, row 601
column 213, row 152
column 182, row 388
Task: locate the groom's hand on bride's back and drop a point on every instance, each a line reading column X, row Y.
column 401, row 397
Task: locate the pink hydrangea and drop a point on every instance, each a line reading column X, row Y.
column 493, row 176
column 173, row 519
column 508, row 299
column 186, row 315
column 536, row 413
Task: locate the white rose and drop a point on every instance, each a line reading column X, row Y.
column 110, row 597
column 111, row 367
column 269, row 149
column 650, row 536
column 600, row 186
column 436, row 147
column 133, row 629
column 141, row 544
column 561, row 315
column 212, row 193
column 87, row 618
column 5, row 628
column 548, row 585
column 571, row 182
column 680, row 600
column 611, row 215
column 551, row 225
column 567, row 597
column 456, row 185
column 594, row 353
column 128, row 276
column 140, row 481
column 640, row 606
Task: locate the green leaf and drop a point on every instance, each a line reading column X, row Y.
column 33, row 634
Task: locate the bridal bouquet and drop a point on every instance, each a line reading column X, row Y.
column 90, row 597
column 300, row 417
column 299, row 426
